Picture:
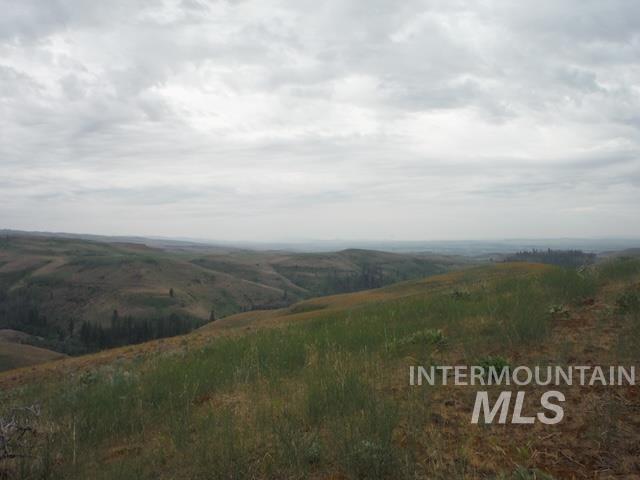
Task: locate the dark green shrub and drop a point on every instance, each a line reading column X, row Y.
column 497, row 362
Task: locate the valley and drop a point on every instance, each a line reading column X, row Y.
column 75, row 296
column 320, row 389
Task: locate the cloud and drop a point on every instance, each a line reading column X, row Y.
column 240, row 119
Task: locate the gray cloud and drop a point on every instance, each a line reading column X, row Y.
column 282, row 119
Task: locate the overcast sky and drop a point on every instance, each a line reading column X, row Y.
column 300, row 119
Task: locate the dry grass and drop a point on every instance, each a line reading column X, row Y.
column 321, row 393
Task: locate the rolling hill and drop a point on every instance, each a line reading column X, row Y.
column 81, row 295
column 320, row 389
column 16, row 351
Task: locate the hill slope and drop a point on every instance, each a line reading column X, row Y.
column 320, row 389
column 84, row 295
column 17, row 355
column 16, row 351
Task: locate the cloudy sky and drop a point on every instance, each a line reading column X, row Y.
column 299, row 119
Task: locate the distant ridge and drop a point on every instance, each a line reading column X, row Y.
column 449, row 247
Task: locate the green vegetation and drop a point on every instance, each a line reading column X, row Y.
column 112, row 260
column 561, row 258
column 65, row 290
column 620, row 268
column 497, row 362
column 303, row 399
column 628, row 307
column 129, row 330
column 426, row 338
column 157, row 302
column 629, row 302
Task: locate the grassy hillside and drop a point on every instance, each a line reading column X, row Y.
column 17, row 355
column 84, row 295
column 320, row 389
column 15, row 351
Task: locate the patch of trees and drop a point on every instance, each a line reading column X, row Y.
column 561, row 258
column 26, row 317
column 21, row 310
column 374, row 276
column 128, row 330
column 369, row 276
column 323, row 281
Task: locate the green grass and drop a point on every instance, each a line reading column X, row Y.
column 628, row 307
column 304, row 398
column 621, row 268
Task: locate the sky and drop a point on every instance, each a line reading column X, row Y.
column 296, row 119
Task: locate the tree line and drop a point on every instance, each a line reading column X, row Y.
column 20, row 311
column 128, row 330
column 561, row 258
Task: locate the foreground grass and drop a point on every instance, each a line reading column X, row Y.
column 327, row 396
